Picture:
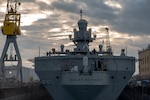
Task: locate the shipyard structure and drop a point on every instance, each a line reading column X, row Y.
column 138, row 87
column 144, row 63
column 12, row 84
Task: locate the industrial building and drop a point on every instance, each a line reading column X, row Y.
column 144, row 63
column 28, row 74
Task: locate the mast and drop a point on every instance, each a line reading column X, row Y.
column 80, row 14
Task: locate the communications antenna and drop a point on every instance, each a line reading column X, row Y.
column 11, row 28
column 108, row 46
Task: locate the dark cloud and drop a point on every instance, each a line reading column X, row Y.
column 71, row 7
column 33, row 1
column 44, row 6
column 133, row 18
column 97, row 12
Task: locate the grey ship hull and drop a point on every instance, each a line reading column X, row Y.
column 100, row 85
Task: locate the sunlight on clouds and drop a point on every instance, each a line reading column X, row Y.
column 113, row 4
column 31, row 8
column 98, row 29
column 47, row 12
column 66, row 27
column 68, row 0
column 61, row 37
column 116, row 35
column 62, row 34
column 45, row 1
column 135, row 37
column 94, row 29
column 54, row 44
column 64, row 21
column 148, row 36
column 31, row 13
column 3, row 8
column 23, row 32
column 125, row 39
column 45, row 35
column 30, row 18
column 115, row 38
column 55, row 30
column 69, row 44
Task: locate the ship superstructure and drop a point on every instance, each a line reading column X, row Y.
column 84, row 74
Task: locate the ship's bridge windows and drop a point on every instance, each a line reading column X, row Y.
column 100, row 65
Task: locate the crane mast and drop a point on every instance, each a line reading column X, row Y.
column 11, row 28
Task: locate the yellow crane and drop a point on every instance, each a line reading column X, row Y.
column 11, row 28
column 11, row 25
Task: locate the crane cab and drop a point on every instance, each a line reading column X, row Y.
column 11, row 26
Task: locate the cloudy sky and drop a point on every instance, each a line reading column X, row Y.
column 47, row 24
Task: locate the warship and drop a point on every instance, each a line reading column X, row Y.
column 84, row 74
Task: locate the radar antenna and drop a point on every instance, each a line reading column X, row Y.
column 11, row 28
